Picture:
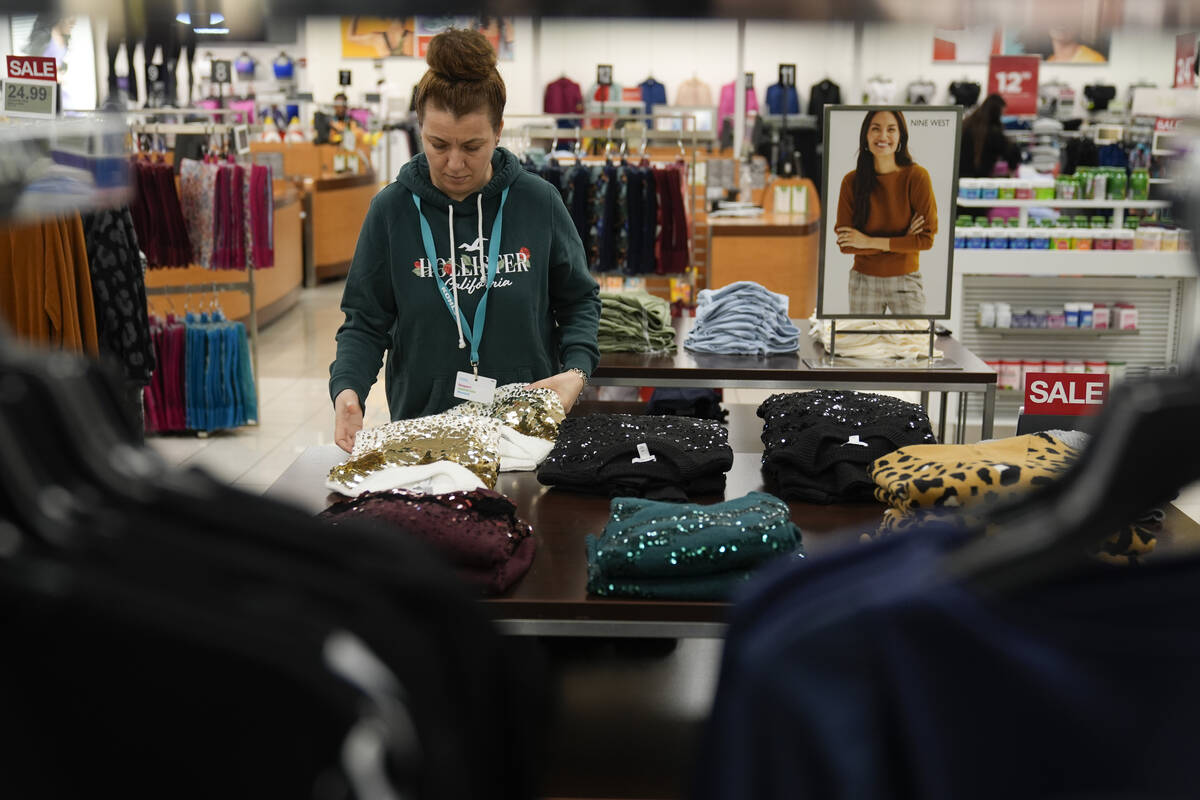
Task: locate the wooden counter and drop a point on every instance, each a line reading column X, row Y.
column 339, row 206
column 277, row 288
column 779, row 251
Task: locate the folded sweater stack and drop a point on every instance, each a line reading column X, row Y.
column 925, row 483
column 687, row 552
column 635, row 322
column 664, row 458
column 819, row 445
column 478, row 531
column 855, row 338
column 743, row 318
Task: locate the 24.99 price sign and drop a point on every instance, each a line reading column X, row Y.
column 1015, row 78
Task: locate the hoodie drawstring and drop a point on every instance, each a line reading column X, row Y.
column 462, row 343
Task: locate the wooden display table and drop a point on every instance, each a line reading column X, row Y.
column 788, row 371
column 779, row 251
column 552, row 598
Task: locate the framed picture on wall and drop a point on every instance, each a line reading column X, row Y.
column 890, row 183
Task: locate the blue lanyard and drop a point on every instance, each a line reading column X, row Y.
column 474, row 333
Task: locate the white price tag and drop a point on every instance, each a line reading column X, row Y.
column 783, row 200
column 470, row 387
column 643, row 454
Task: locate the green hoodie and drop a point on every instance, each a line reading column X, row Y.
column 542, row 310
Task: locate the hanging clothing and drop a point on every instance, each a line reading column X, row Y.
column 673, row 251
column 823, row 93
column 230, row 213
column 782, row 99
column 119, row 292
column 880, row 91
column 921, row 93
column 204, row 380
column 158, row 216
column 653, row 94
column 563, row 96
column 1099, row 96
column 965, row 93
column 46, row 285
column 725, row 107
column 693, row 92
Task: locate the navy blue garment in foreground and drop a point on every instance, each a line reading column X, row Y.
column 864, row 675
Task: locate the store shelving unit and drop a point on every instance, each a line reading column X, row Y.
column 1118, row 207
column 1068, row 333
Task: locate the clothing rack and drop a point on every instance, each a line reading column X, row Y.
column 247, row 285
column 611, row 131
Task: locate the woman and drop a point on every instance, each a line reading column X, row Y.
column 466, row 265
column 984, row 142
column 886, row 215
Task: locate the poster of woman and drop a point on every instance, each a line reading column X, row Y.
column 887, row 246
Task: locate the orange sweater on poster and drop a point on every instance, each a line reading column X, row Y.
column 46, row 285
column 898, row 197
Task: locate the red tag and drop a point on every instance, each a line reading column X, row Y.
column 1065, row 394
column 1015, row 78
column 1185, row 60
column 1166, row 124
column 33, row 68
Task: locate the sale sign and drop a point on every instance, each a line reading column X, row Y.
column 1066, row 394
column 1185, row 60
column 1015, row 78
column 32, row 68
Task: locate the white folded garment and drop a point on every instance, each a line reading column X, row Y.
column 521, row 453
column 437, row 477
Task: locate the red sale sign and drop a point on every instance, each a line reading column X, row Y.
column 1064, row 394
column 32, row 68
column 1015, row 78
column 1185, row 60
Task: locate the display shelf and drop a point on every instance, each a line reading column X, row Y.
column 1117, row 207
column 1060, row 203
column 1057, row 332
column 1138, row 263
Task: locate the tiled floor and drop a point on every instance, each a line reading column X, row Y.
column 294, row 355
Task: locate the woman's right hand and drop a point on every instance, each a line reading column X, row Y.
column 917, row 225
column 348, row 419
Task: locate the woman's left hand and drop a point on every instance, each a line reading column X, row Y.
column 567, row 385
column 850, row 237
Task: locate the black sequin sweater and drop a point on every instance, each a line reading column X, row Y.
column 819, row 445
column 599, row 454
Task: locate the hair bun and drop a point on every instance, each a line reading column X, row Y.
column 461, row 55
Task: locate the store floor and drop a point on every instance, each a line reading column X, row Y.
column 294, row 355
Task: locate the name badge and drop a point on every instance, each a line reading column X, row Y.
column 469, row 387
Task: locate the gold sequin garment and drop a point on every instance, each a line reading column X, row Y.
column 473, row 442
column 533, row 412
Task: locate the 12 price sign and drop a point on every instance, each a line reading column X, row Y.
column 1015, row 78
